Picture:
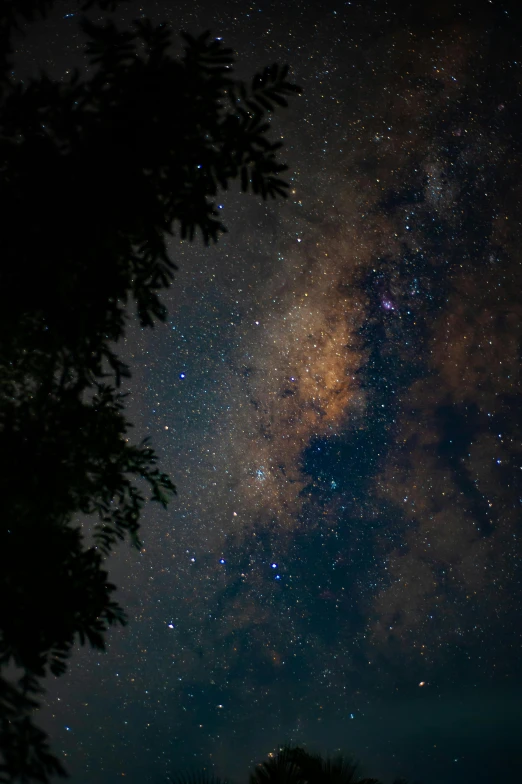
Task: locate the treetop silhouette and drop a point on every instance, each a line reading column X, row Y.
column 293, row 765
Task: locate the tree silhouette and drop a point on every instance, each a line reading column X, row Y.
column 95, row 174
column 198, row 777
column 294, row 765
column 285, row 767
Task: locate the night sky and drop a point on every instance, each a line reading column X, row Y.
column 336, row 395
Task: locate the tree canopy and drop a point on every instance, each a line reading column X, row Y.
column 96, row 174
column 294, row 765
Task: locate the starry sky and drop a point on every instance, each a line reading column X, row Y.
column 336, row 395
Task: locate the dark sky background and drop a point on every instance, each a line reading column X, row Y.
column 336, row 395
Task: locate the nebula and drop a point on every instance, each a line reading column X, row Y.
column 298, row 369
column 460, row 501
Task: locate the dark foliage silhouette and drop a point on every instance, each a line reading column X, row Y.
column 294, row 765
column 96, row 173
column 198, row 777
column 282, row 768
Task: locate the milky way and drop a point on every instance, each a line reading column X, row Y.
column 336, row 396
